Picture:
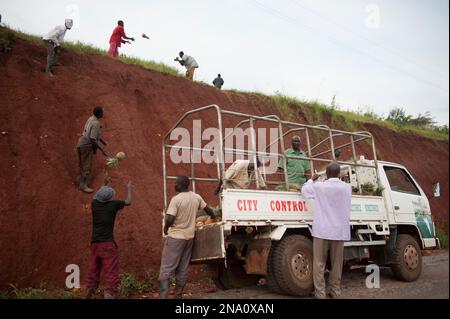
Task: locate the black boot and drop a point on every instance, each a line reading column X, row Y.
column 179, row 292
column 89, row 293
column 164, row 289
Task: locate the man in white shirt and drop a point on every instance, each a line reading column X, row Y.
column 189, row 63
column 53, row 41
column 331, row 200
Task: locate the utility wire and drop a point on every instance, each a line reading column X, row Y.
column 428, row 68
column 295, row 21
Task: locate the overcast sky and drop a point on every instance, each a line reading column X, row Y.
column 370, row 54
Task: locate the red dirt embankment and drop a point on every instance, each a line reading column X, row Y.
column 45, row 222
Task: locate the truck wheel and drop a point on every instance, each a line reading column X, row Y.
column 272, row 283
column 293, row 265
column 407, row 256
column 234, row 277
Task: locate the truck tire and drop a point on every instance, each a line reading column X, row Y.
column 272, row 283
column 293, row 265
column 407, row 257
column 234, row 277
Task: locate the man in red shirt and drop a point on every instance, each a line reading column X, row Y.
column 117, row 38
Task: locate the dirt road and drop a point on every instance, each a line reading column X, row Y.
column 433, row 284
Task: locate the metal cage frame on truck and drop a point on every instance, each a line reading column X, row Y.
column 355, row 137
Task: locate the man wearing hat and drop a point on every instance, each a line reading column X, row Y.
column 104, row 253
column 53, row 43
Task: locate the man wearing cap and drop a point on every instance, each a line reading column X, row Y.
column 53, row 43
column 87, row 146
column 117, row 38
column 104, row 254
column 297, row 169
column 189, row 63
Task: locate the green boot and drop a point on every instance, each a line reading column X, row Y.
column 164, row 289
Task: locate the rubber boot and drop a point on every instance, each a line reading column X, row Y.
column 84, row 187
column 164, row 289
column 89, row 293
column 107, row 295
column 179, row 292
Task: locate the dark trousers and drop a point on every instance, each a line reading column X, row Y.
column 175, row 259
column 52, row 56
column 85, row 155
column 104, row 256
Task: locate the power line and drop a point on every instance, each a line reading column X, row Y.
column 349, row 30
column 295, row 21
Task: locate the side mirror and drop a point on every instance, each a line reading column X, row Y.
column 436, row 190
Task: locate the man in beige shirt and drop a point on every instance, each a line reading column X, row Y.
column 179, row 227
column 241, row 174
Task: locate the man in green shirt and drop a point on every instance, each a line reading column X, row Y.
column 298, row 171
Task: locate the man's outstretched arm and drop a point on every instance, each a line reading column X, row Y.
column 210, row 212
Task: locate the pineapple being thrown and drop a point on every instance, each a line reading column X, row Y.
column 115, row 161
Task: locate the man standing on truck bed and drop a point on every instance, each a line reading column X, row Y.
column 241, row 174
column 297, row 170
column 104, row 255
column 179, row 227
column 331, row 227
column 87, row 147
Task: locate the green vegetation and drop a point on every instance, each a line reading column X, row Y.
column 443, row 237
column 131, row 285
column 151, row 65
column 29, row 293
column 422, row 125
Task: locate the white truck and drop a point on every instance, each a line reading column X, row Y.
column 267, row 233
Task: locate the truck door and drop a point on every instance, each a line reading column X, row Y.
column 409, row 203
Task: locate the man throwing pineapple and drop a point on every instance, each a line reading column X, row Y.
column 87, row 147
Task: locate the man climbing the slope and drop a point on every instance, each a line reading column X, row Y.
column 117, row 38
column 87, row 146
column 53, row 43
column 189, row 63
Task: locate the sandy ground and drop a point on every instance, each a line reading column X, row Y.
column 432, row 284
